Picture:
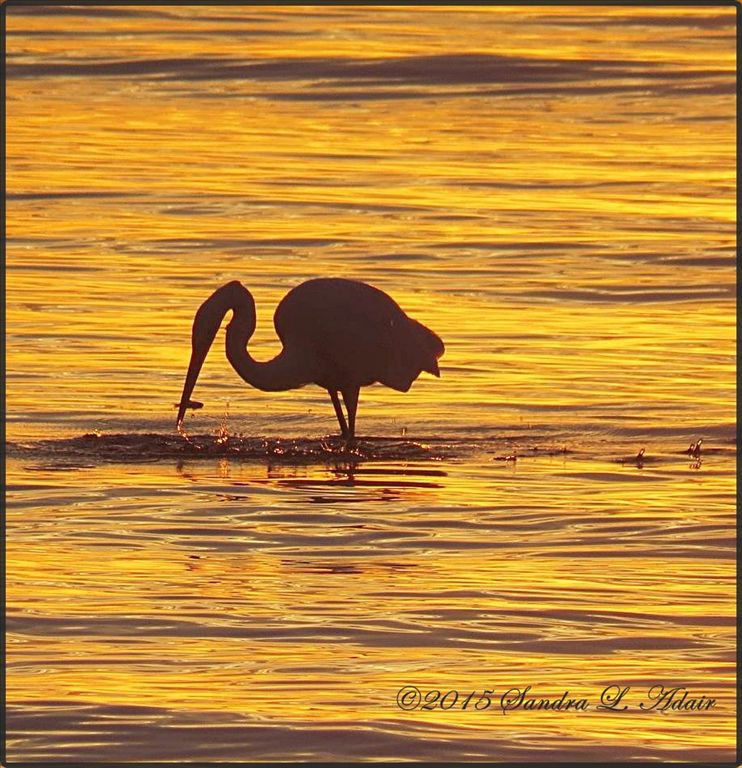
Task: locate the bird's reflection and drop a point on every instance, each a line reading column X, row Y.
column 387, row 481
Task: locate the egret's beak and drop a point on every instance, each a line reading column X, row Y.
column 194, row 368
column 434, row 369
column 205, row 326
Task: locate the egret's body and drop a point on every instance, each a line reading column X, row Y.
column 339, row 334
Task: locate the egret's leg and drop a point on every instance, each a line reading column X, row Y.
column 339, row 412
column 350, row 398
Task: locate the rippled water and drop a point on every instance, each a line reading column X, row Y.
column 552, row 190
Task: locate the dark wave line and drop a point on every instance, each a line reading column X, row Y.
column 125, row 732
column 689, row 293
column 720, row 21
column 97, row 11
column 435, row 70
column 76, row 194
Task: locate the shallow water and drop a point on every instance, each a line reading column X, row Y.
column 550, row 190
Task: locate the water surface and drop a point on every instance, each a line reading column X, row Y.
column 552, row 190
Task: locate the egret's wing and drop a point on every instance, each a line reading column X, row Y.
column 356, row 333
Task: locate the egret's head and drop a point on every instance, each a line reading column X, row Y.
column 206, row 323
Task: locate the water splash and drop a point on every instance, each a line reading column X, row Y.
column 138, row 448
column 96, row 447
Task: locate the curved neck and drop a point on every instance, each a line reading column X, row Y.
column 284, row 371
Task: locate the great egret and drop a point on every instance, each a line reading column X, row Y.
column 339, row 334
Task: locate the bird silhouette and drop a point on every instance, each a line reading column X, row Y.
column 339, row 334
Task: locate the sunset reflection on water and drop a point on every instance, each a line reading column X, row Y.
column 552, row 190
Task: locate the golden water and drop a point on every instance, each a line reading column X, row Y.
column 552, row 190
